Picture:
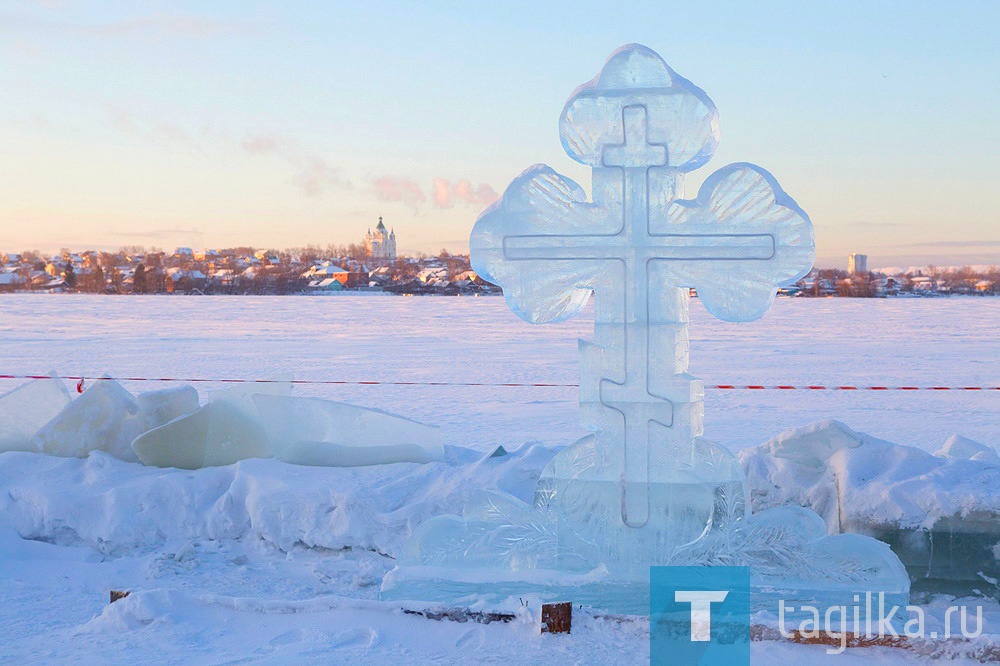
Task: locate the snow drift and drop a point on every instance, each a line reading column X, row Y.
column 940, row 512
column 116, row 507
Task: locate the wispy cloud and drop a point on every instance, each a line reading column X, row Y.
column 446, row 194
column 157, row 234
column 261, row 145
column 313, row 174
column 161, row 131
column 443, row 192
column 171, row 133
column 157, row 27
column 954, row 243
column 148, row 27
column 393, row 188
column 121, row 120
column 877, row 225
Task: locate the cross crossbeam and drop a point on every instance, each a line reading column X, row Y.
column 666, row 247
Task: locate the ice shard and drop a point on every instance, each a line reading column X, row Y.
column 241, row 424
column 27, row 408
column 311, row 431
column 219, row 433
column 104, row 418
column 163, row 406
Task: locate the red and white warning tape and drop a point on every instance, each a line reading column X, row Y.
column 81, row 380
column 753, row 387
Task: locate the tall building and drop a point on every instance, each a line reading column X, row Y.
column 856, row 263
column 381, row 244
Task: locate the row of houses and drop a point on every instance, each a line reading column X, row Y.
column 250, row 271
column 234, row 271
column 831, row 282
column 436, row 278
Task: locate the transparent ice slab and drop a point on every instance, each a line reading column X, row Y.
column 159, row 407
column 219, row 433
column 236, row 425
column 224, row 431
column 104, row 418
column 27, row 408
column 310, row 431
column 645, row 488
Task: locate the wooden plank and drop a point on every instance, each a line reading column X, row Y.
column 557, row 618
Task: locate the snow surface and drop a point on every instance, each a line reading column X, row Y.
column 271, row 562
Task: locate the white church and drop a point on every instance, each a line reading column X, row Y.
column 381, row 244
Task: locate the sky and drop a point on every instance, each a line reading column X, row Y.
column 277, row 124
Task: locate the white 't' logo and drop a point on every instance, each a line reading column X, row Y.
column 701, row 610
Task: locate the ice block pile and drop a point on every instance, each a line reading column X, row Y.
column 171, row 428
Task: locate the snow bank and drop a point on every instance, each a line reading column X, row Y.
column 964, row 448
column 117, row 507
column 143, row 608
column 939, row 513
column 852, row 479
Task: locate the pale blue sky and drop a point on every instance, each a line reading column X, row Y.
column 212, row 124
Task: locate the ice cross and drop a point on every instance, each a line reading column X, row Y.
column 640, row 126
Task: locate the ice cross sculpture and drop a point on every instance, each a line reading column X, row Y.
column 644, row 488
column 640, row 248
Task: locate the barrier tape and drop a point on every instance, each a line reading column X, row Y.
column 854, row 388
column 81, row 380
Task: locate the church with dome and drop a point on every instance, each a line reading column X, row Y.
column 381, row 244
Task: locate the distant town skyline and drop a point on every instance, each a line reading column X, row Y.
column 275, row 126
column 366, row 240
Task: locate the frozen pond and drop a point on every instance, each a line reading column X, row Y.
column 939, row 342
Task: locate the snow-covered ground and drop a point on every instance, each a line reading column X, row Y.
column 265, row 561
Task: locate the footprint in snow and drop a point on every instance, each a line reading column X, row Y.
column 287, row 638
column 360, row 637
column 472, row 639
